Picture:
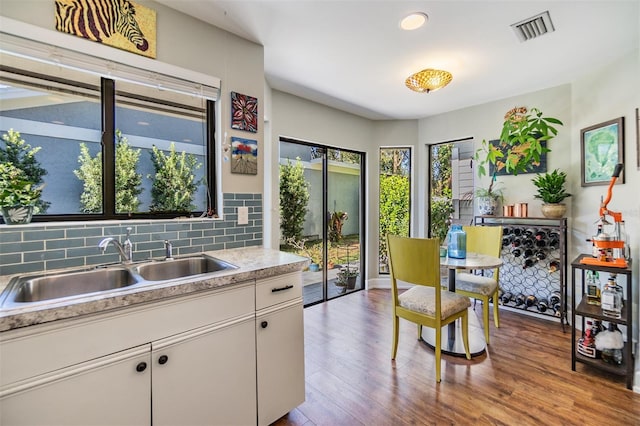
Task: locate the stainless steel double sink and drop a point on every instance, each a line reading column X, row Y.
column 28, row 289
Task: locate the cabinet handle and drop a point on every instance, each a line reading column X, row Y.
column 264, row 324
column 163, row 359
column 277, row 289
column 141, row 367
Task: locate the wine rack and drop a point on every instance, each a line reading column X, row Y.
column 532, row 277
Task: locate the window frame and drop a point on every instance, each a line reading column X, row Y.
column 107, row 91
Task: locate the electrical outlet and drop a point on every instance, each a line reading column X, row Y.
column 243, row 215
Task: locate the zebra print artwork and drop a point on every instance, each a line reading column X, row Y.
column 118, row 23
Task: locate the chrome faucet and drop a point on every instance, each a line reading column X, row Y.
column 125, row 249
column 168, row 248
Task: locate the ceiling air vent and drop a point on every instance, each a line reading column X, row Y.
column 533, row 27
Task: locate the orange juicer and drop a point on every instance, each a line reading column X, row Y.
column 608, row 249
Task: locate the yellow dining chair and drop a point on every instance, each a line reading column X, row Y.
column 417, row 261
column 483, row 240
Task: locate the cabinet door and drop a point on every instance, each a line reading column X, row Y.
column 112, row 390
column 280, row 347
column 206, row 376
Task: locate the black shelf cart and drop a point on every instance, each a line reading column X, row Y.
column 585, row 310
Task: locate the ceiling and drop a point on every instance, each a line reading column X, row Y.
column 352, row 55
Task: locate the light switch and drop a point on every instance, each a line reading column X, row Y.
column 243, row 215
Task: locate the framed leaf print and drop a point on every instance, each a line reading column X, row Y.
column 602, row 147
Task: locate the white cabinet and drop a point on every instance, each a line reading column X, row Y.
column 280, row 346
column 111, row 390
column 205, row 374
column 206, row 377
column 233, row 356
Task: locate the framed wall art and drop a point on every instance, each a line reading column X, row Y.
column 244, row 156
column 601, row 148
column 638, row 136
column 118, row 23
column 244, row 112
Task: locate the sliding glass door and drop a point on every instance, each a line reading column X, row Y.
column 321, row 211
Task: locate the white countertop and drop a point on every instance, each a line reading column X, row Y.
column 253, row 263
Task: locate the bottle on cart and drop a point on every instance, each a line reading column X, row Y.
column 554, row 265
column 593, row 288
column 520, row 299
column 611, row 298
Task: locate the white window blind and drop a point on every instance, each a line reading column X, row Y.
column 15, row 49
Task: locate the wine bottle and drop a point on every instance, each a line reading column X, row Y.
column 516, row 251
column 554, row 298
column 553, row 244
column 527, row 252
column 517, row 242
column 540, row 243
column 554, row 265
column 530, row 232
column 540, row 235
column 517, row 231
column 528, row 242
column 520, row 299
column 506, row 230
column 541, row 255
column 529, row 262
column 506, row 298
column 542, row 306
column 530, row 300
column 506, row 240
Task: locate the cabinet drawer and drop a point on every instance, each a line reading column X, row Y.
column 271, row 291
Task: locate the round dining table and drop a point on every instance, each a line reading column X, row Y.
column 452, row 335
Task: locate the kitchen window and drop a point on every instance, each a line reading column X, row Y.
column 113, row 147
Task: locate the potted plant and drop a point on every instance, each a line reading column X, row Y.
column 551, row 190
column 18, row 195
column 519, row 149
column 347, row 277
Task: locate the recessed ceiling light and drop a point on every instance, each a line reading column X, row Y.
column 413, row 21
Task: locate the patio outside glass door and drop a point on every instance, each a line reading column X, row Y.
column 321, row 205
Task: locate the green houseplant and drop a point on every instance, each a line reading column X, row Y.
column 18, row 195
column 520, row 148
column 551, row 190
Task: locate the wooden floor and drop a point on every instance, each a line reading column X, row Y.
column 525, row 377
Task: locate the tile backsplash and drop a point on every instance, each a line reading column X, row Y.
column 43, row 246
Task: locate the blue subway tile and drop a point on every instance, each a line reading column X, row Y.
column 10, row 237
column 234, row 245
column 22, row 268
column 64, row 263
column 42, row 235
column 66, row 243
column 34, row 256
column 83, row 232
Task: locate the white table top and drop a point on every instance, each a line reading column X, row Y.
column 472, row 261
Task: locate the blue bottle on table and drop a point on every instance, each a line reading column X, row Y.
column 457, row 242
